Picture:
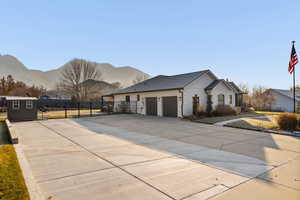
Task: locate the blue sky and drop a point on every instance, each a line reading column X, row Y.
column 246, row 42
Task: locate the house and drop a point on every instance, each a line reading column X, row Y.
column 21, row 108
column 173, row 95
column 284, row 100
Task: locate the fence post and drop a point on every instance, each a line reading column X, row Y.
column 66, row 115
column 78, row 107
column 91, row 114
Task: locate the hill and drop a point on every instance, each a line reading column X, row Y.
column 10, row 65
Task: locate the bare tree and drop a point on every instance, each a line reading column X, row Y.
column 74, row 74
column 297, row 88
column 246, row 96
column 261, row 98
column 139, row 79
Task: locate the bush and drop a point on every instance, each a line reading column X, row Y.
column 223, row 110
column 200, row 111
column 287, row 121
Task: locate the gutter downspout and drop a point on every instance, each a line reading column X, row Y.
column 181, row 91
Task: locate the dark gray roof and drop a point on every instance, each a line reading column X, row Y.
column 213, row 84
column 231, row 85
column 236, row 88
column 162, row 82
column 288, row 93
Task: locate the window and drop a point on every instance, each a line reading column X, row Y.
column 127, row 98
column 29, row 104
column 138, row 97
column 16, row 104
column 230, row 99
column 221, row 99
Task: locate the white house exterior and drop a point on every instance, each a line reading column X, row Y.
column 284, row 100
column 173, row 95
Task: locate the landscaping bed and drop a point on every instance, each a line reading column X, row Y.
column 12, row 184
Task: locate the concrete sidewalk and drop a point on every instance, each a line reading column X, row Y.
column 91, row 159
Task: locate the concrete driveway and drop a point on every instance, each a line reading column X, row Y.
column 143, row 157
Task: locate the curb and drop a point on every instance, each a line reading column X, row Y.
column 33, row 188
column 264, row 131
column 12, row 133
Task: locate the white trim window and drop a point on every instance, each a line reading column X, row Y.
column 29, row 104
column 230, row 99
column 16, row 104
column 221, row 99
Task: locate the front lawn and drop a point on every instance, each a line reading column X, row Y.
column 12, row 184
column 272, row 113
column 269, row 122
column 213, row 120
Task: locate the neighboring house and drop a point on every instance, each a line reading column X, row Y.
column 284, row 100
column 173, row 95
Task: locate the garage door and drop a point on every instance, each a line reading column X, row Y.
column 151, row 106
column 170, row 106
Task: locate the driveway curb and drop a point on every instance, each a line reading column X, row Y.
column 33, row 188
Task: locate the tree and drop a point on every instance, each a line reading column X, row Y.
column 74, row 74
column 8, row 86
column 246, row 96
column 117, row 85
column 297, row 87
column 261, row 99
column 139, row 79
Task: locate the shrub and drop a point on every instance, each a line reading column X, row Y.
column 287, row 121
column 223, row 110
column 200, row 111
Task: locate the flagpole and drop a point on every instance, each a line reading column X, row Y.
column 294, row 87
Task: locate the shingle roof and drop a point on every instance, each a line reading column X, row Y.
column 213, row 84
column 288, row 93
column 231, row 85
column 162, row 82
column 234, row 86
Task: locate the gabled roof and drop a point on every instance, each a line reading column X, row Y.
column 162, row 82
column 230, row 85
column 236, row 88
column 287, row 93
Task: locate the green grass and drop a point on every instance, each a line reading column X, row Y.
column 273, row 113
column 212, row 120
column 268, row 122
column 12, row 184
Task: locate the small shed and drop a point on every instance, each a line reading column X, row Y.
column 21, row 108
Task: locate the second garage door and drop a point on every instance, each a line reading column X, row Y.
column 151, row 106
column 170, row 106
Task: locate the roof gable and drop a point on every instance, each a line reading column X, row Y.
column 229, row 85
column 162, row 82
column 287, row 93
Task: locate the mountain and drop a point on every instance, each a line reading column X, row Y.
column 100, row 87
column 10, row 65
column 96, row 89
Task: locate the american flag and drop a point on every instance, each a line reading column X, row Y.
column 293, row 60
